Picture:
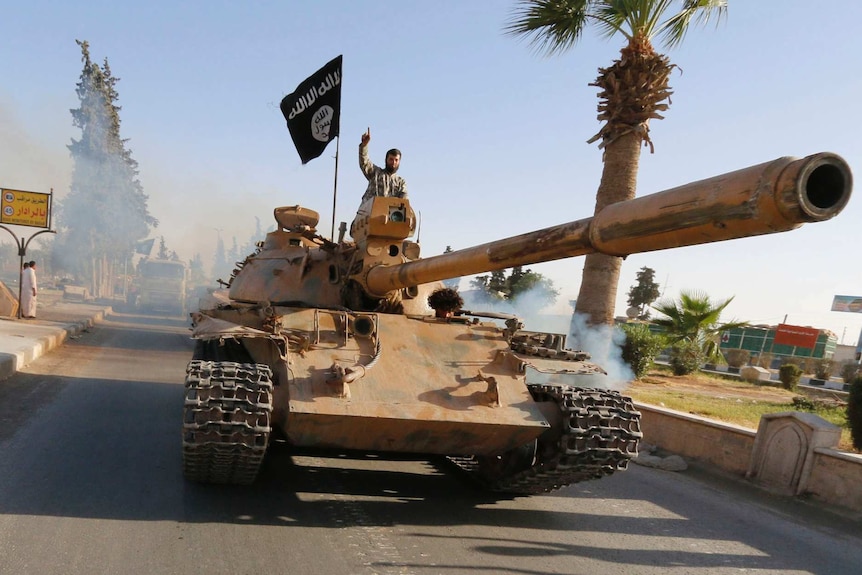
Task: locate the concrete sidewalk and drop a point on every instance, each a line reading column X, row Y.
column 24, row 340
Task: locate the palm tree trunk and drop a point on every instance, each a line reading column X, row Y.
column 598, row 293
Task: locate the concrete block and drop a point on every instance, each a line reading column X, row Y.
column 754, row 373
column 75, row 293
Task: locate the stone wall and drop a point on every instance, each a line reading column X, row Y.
column 831, row 476
column 836, row 479
column 723, row 445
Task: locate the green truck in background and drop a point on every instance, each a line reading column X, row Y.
column 160, row 286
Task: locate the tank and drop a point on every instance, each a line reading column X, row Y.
column 330, row 344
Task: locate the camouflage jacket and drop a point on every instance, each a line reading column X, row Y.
column 380, row 183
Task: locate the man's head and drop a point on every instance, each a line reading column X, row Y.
column 32, row 264
column 393, row 160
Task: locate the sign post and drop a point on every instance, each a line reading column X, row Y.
column 20, row 208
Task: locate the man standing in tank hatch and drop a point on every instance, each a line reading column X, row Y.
column 381, row 181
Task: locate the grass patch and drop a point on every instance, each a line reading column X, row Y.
column 724, row 399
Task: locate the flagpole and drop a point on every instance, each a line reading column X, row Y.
column 335, row 187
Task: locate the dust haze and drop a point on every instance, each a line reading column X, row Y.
column 193, row 211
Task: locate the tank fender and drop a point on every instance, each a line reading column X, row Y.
column 206, row 327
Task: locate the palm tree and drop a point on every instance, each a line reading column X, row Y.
column 633, row 91
column 695, row 319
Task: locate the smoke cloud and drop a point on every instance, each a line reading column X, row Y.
column 603, row 343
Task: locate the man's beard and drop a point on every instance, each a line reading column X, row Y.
column 390, row 170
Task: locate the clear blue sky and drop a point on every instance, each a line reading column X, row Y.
column 493, row 135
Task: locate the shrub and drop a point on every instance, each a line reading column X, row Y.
column 802, row 403
column 737, row 357
column 823, row 369
column 789, row 374
column 854, row 411
column 806, row 364
column 641, row 347
column 685, row 357
column 849, row 371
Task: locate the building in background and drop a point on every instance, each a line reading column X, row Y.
column 781, row 342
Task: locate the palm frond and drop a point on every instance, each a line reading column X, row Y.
column 673, row 31
column 550, row 26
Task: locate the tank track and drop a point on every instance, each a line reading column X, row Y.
column 600, row 434
column 226, row 420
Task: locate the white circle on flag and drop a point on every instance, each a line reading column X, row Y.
column 321, row 122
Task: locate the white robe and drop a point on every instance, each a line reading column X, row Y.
column 28, row 293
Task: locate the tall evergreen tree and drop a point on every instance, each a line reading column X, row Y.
column 221, row 267
column 644, row 293
column 197, row 275
column 163, row 249
column 105, row 212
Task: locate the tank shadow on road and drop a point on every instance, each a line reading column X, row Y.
column 111, row 450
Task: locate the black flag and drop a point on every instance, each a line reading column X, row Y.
column 145, row 246
column 313, row 111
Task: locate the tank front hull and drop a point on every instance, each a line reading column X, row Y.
column 433, row 387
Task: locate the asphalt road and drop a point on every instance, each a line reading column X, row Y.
column 91, row 482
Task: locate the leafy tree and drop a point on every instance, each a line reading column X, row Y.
column 516, row 286
column 632, row 91
column 492, row 287
column 498, row 284
column 522, row 282
column 105, row 212
column 695, row 320
column 644, row 293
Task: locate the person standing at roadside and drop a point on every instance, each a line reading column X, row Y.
column 28, row 290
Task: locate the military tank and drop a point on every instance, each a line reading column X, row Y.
column 331, row 344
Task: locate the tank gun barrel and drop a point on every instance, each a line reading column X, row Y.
column 767, row 198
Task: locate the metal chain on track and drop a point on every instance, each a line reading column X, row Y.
column 226, row 420
column 600, row 434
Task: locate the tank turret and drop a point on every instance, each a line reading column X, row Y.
column 772, row 197
column 331, row 344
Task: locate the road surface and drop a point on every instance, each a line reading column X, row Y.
column 91, row 482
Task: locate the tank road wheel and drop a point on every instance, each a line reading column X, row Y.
column 599, row 433
column 226, row 420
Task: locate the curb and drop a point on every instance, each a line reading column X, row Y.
column 32, row 348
